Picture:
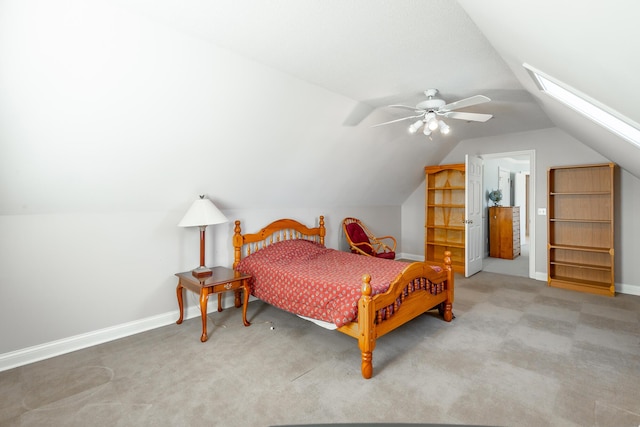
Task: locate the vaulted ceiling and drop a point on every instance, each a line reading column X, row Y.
column 373, row 52
column 279, row 97
column 381, row 52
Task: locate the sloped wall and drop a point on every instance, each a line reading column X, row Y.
column 111, row 126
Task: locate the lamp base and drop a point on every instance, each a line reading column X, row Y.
column 201, row 271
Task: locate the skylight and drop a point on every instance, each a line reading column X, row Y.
column 614, row 122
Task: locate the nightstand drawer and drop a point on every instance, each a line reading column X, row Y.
column 229, row 286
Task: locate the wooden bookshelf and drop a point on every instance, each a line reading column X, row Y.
column 444, row 214
column 581, row 228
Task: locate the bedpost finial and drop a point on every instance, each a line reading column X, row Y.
column 237, row 242
column 447, row 257
column 323, row 231
column 366, row 285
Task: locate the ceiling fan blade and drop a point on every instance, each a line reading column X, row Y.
column 467, row 102
column 399, row 120
column 406, row 107
column 473, row 117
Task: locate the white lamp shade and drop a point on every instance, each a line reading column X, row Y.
column 415, row 126
column 444, row 128
column 432, row 122
column 202, row 212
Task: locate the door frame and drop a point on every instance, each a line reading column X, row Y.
column 532, row 201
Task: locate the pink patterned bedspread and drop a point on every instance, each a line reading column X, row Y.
column 308, row 279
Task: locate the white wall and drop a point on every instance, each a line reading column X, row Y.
column 627, row 232
column 553, row 148
column 105, row 275
column 490, row 174
column 111, row 125
column 133, row 114
column 413, row 223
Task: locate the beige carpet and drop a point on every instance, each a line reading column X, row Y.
column 519, row 266
column 517, row 354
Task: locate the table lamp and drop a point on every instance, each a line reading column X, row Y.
column 202, row 213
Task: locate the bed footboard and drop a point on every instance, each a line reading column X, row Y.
column 419, row 288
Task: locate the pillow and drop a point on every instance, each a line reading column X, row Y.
column 287, row 250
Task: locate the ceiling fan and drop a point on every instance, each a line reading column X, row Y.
column 430, row 111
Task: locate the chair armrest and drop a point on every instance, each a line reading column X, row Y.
column 355, row 247
column 389, row 237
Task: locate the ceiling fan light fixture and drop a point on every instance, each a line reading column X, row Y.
column 415, row 127
column 432, row 122
column 444, row 128
column 431, row 109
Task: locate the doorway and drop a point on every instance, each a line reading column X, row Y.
column 514, row 172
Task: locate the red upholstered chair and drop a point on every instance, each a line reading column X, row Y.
column 362, row 241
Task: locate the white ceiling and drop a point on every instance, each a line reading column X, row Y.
column 231, row 85
column 375, row 52
column 590, row 46
column 379, row 52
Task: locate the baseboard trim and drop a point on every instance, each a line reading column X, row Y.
column 540, row 276
column 628, row 289
column 412, row 257
column 39, row 352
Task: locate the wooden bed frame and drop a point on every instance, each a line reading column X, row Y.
column 373, row 319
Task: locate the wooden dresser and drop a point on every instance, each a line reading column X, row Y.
column 504, row 232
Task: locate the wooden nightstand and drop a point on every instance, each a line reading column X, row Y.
column 222, row 280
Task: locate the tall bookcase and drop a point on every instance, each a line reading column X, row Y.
column 444, row 214
column 581, row 229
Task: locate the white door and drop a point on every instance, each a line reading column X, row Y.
column 504, row 184
column 473, row 215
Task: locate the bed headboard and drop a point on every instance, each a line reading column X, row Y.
column 277, row 231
